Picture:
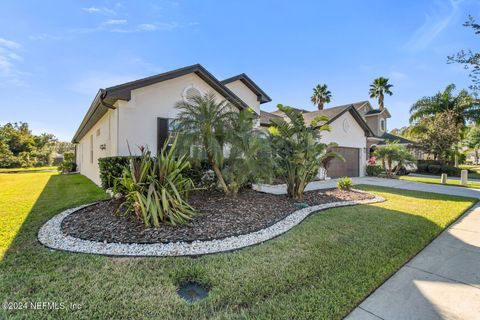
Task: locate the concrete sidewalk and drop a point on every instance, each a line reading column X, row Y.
column 441, row 282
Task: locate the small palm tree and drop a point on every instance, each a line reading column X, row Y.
column 321, row 95
column 204, row 121
column 297, row 148
column 379, row 88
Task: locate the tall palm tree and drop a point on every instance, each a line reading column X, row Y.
column 379, row 88
column 321, row 95
column 204, row 121
column 464, row 106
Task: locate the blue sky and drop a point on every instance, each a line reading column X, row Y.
column 54, row 55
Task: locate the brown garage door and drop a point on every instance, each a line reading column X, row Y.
column 337, row 168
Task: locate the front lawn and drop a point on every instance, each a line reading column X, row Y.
column 321, row 269
column 450, row 182
column 31, row 169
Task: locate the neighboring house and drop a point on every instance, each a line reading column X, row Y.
column 357, row 129
column 139, row 113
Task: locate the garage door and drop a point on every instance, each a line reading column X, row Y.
column 338, row 168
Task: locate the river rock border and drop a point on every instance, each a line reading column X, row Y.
column 51, row 236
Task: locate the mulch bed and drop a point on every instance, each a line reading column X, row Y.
column 218, row 217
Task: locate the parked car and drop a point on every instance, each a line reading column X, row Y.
column 407, row 168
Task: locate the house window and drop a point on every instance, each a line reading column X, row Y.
column 91, row 148
column 382, row 124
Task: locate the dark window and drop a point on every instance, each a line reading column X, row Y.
column 162, row 132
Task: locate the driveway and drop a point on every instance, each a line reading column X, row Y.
column 393, row 183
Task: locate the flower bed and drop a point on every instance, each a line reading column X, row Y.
column 223, row 224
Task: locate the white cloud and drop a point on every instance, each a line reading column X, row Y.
column 397, row 75
column 9, row 58
column 147, row 27
column 44, row 36
column 435, row 23
column 90, row 82
column 9, row 44
column 114, row 22
column 99, row 10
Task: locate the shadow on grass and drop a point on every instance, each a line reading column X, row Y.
column 60, row 192
column 322, row 268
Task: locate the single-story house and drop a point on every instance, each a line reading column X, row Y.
column 140, row 112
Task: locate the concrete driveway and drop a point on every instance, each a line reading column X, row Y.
column 393, row 183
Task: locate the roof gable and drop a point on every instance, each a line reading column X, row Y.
column 335, row 113
column 106, row 98
column 262, row 97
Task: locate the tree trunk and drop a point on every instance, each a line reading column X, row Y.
column 320, row 105
column 218, row 173
column 476, row 155
column 380, row 101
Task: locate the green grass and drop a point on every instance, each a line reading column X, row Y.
column 320, row 270
column 450, row 182
column 32, row 169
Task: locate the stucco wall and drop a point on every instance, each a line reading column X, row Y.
column 102, row 133
column 348, row 135
column 373, row 122
column 244, row 93
column 138, row 117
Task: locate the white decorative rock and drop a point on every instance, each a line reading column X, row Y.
column 51, row 235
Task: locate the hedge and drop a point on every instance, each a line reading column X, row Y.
column 434, row 167
column 374, row 170
column 111, row 168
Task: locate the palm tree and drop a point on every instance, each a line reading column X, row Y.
column 297, row 148
column 379, row 88
column 464, row 106
column 204, row 121
column 321, row 95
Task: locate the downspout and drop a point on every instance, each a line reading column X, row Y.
column 102, row 102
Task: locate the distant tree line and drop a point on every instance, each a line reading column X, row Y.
column 20, row 148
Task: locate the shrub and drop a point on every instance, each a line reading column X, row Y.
column 156, row 190
column 392, row 155
column 450, row 170
column 298, row 148
column 112, row 168
column 68, row 165
column 434, row 168
column 344, row 183
column 374, row 170
column 422, row 167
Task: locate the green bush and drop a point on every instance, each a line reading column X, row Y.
column 434, row 168
column 155, row 189
column 112, row 168
column 344, row 183
column 374, row 170
column 422, row 168
column 450, row 170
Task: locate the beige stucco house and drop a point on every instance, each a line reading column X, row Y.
column 139, row 112
column 357, row 128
